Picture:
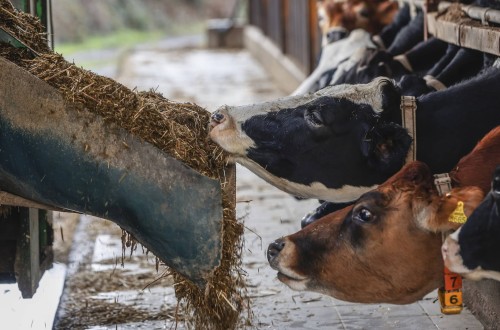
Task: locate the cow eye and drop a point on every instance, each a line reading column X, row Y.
column 313, row 118
column 364, row 215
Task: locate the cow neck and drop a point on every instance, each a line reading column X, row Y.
column 450, row 295
column 409, row 121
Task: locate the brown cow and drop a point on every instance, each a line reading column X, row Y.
column 386, row 248
column 369, row 15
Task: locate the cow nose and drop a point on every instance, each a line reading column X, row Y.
column 274, row 249
column 218, row 117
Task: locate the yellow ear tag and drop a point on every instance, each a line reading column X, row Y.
column 458, row 215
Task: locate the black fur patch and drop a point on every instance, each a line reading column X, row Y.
column 480, row 235
column 290, row 147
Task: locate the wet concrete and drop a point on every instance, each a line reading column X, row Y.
column 212, row 78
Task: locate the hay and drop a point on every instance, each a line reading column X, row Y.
column 84, row 308
column 453, row 13
column 179, row 129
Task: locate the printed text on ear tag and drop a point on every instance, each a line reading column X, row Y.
column 458, row 215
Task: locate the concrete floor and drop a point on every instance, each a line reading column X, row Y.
column 212, row 78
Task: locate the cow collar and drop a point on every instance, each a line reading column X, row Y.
column 450, row 295
column 408, row 117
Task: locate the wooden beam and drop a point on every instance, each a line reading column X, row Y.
column 28, row 253
column 14, row 200
column 466, row 33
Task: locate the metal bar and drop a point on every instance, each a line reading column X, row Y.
column 50, row 24
column 32, row 7
column 485, row 15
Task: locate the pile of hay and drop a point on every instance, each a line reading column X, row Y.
column 179, row 129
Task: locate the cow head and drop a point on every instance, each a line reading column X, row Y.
column 383, row 249
column 333, row 144
column 338, row 17
column 472, row 250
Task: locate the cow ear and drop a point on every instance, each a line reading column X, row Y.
column 391, row 96
column 385, row 147
column 450, row 211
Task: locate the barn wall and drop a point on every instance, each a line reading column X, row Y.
column 284, row 36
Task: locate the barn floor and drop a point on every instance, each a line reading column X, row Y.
column 101, row 294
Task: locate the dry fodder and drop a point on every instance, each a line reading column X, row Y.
column 86, row 308
column 179, row 129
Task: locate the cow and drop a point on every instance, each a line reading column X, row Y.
column 345, row 27
column 398, row 37
column 388, row 34
column 377, row 250
column 332, row 55
column 337, row 18
column 339, row 56
column 472, row 251
column 344, row 140
column 386, row 247
column 376, row 63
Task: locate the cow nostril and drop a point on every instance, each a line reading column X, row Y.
column 218, row 117
column 275, row 248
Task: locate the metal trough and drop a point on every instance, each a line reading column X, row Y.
column 60, row 157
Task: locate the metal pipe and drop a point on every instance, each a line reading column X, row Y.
column 33, row 7
column 485, row 15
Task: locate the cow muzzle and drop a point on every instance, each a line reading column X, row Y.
column 218, row 117
column 226, row 132
column 273, row 251
column 280, row 257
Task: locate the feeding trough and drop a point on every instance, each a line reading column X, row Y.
column 76, row 141
column 58, row 155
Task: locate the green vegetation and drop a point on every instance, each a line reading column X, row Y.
column 125, row 38
column 120, row 39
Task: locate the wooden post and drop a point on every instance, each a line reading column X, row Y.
column 28, row 252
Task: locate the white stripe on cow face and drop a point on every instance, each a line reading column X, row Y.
column 316, row 190
column 369, row 94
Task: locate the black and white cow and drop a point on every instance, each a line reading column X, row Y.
column 402, row 33
column 344, row 140
column 347, row 27
column 332, row 55
column 376, row 63
column 472, row 250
